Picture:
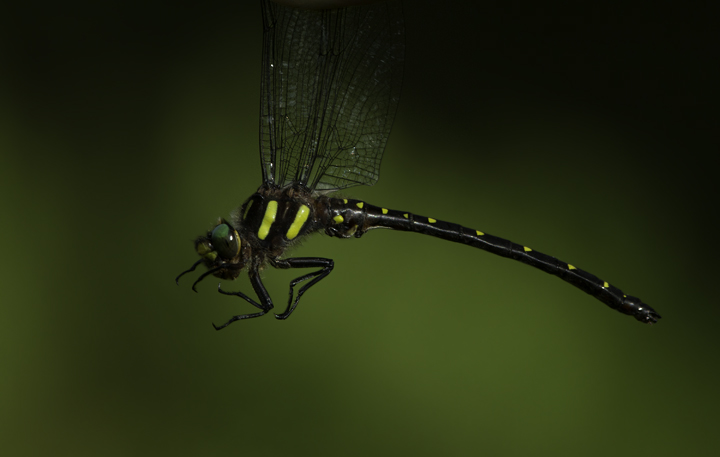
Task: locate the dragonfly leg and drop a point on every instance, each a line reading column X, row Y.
column 264, row 305
column 325, row 265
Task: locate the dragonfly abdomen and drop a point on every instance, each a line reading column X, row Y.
column 352, row 218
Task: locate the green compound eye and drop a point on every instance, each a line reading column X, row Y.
column 225, row 241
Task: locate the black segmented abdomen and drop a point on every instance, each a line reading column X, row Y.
column 345, row 218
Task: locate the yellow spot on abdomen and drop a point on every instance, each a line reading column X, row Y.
column 345, row 200
column 431, row 220
column 527, row 249
column 359, row 204
column 385, row 211
column 338, row 218
column 297, row 225
column 268, row 219
column 571, row 267
column 605, row 285
column 405, row 215
column 479, row 233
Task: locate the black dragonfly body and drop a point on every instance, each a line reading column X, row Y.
column 330, row 88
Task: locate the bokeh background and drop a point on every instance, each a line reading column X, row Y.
column 588, row 132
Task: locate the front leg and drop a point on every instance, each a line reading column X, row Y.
column 326, row 266
column 265, row 304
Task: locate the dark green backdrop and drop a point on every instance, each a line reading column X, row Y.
column 585, row 133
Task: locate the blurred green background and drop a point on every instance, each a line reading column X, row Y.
column 586, row 132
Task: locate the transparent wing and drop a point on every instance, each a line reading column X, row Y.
column 330, row 88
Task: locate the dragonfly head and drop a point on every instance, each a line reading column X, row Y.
column 222, row 251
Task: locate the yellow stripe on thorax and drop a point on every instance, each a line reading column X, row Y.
column 297, row 225
column 247, row 209
column 268, row 219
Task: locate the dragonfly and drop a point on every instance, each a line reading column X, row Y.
column 330, row 87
